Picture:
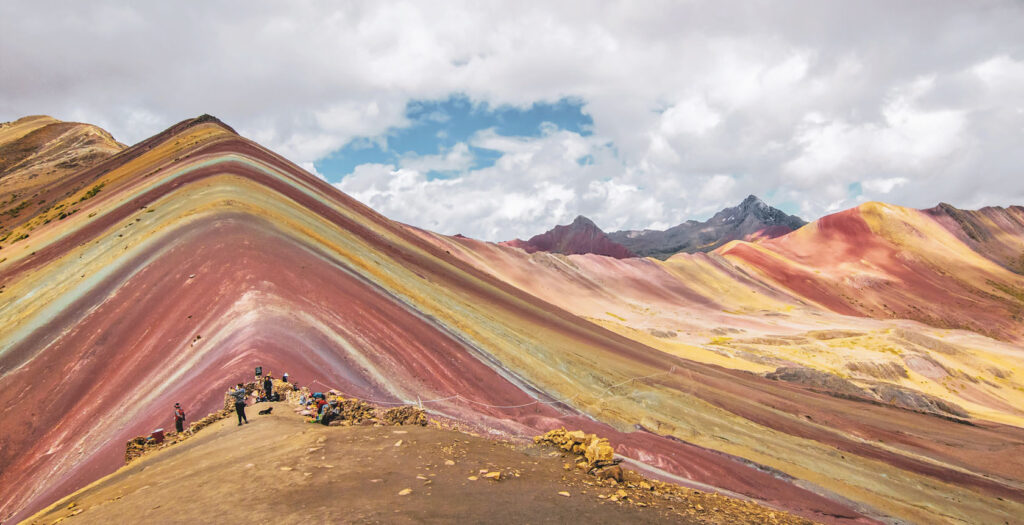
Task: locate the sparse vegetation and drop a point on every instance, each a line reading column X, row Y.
column 15, row 211
column 92, row 192
column 1007, row 289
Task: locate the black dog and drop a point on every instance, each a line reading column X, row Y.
column 266, row 411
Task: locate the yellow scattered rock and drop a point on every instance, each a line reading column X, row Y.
column 496, row 475
column 398, row 443
column 599, row 450
column 563, row 493
column 405, row 492
column 286, row 468
column 472, row 478
column 449, row 462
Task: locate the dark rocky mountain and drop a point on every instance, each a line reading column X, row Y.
column 582, row 236
column 751, row 220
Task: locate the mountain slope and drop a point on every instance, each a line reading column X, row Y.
column 751, row 220
column 37, row 154
column 579, row 237
column 204, row 255
column 995, row 232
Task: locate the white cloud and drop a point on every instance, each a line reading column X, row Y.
column 797, row 99
column 456, row 159
column 883, row 186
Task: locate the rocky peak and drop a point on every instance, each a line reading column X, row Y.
column 750, row 220
column 583, row 222
column 579, row 237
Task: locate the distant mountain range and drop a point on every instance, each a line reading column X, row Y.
column 752, row 219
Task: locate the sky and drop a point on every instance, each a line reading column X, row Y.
column 499, row 120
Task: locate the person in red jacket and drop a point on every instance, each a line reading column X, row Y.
column 179, row 418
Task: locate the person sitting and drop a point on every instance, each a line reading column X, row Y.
column 329, row 413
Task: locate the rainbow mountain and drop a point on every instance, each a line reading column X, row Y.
column 864, row 368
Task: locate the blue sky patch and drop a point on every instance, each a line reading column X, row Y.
column 438, row 125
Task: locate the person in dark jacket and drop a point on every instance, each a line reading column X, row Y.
column 179, row 418
column 268, row 388
column 239, row 394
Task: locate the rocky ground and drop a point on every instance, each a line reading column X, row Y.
column 281, row 469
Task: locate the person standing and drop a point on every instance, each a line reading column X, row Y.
column 268, row 387
column 179, row 418
column 239, row 394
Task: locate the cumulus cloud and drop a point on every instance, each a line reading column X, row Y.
column 694, row 105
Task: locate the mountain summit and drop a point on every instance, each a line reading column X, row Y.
column 581, row 236
column 752, row 219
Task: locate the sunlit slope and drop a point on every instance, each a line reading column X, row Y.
column 39, row 159
column 706, row 308
column 995, row 232
column 884, row 261
column 202, row 255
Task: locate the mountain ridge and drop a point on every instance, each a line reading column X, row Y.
column 581, row 236
column 752, row 219
column 203, row 254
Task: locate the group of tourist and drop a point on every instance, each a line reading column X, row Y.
column 320, row 409
column 241, row 396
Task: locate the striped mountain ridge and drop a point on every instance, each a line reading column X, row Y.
column 197, row 254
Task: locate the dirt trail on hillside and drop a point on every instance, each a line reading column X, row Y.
column 278, row 469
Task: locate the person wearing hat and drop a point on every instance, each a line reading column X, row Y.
column 179, row 418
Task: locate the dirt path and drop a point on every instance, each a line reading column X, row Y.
column 279, row 469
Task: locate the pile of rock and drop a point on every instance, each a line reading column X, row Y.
column 134, row 449
column 283, row 389
column 139, row 446
column 594, row 454
column 250, row 388
column 353, row 411
column 208, row 420
column 405, row 415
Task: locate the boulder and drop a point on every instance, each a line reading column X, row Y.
column 578, row 436
column 612, row 472
column 600, row 452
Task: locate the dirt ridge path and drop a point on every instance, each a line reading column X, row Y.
column 279, row 469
